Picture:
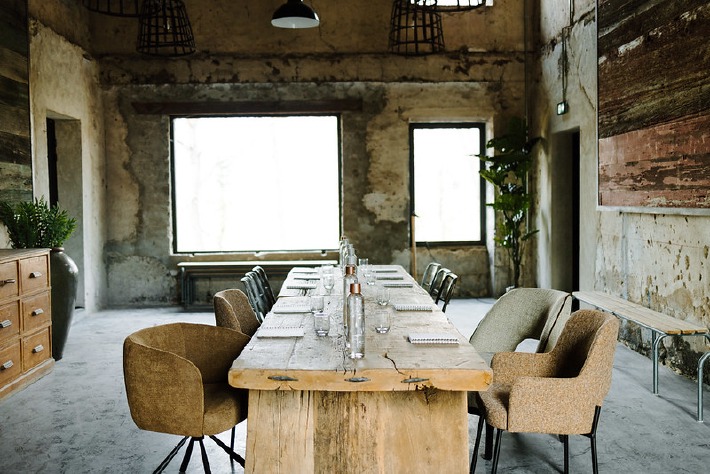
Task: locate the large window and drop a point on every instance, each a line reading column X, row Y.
column 447, row 190
column 256, row 183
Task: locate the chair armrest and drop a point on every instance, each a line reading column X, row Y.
column 508, row 366
column 550, row 405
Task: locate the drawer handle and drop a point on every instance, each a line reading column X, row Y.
column 8, row 281
column 6, row 365
column 35, row 274
column 38, row 349
column 282, row 378
column 37, row 312
column 5, row 324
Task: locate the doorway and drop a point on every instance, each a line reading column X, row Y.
column 565, row 211
column 64, row 166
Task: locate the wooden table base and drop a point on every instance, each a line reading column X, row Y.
column 292, row 431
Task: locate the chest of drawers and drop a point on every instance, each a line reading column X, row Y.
column 25, row 318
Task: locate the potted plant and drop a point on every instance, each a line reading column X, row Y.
column 507, row 170
column 35, row 224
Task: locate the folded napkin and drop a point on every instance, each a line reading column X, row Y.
column 306, row 276
column 413, row 307
column 291, row 309
column 389, row 277
column 433, row 338
column 302, row 286
column 398, row 285
column 280, row 331
column 304, row 270
column 385, row 270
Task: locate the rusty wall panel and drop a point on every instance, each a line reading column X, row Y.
column 654, row 103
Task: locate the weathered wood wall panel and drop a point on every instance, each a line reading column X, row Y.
column 654, row 103
column 15, row 146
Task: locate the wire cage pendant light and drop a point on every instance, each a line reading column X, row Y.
column 415, row 28
column 126, row 8
column 165, row 29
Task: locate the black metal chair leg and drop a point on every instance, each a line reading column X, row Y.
column 496, row 452
column 231, row 443
column 488, row 450
column 161, row 467
column 593, row 439
column 188, row 455
column 205, row 461
column 474, row 457
column 565, row 443
column 231, row 453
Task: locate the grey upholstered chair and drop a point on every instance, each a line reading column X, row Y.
column 558, row 392
column 521, row 313
column 232, row 310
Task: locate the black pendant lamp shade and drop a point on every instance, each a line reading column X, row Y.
column 165, row 29
column 295, row 14
column 456, row 5
column 415, row 28
column 128, row 8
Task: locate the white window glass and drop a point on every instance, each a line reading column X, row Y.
column 446, row 182
column 256, row 183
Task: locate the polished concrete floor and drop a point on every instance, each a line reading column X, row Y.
column 76, row 419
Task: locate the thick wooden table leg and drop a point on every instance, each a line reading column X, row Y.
column 323, row 432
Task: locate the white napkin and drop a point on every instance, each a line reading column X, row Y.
column 291, row 309
column 304, row 270
column 413, row 307
column 306, row 276
column 433, row 338
column 385, row 270
column 389, row 277
column 398, row 285
column 302, row 286
column 280, row 331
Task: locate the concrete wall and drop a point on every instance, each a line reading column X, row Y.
column 64, row 85
column 656, row 259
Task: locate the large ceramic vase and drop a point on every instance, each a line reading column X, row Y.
column 65, row 276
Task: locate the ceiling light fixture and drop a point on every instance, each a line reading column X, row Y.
column 450, row 6
column 125, row 8
column 415, row 28
column 165, row 29
column 295, row 14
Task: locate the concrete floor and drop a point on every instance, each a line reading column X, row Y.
column 76, row 419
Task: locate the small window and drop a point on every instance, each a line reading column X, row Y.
column 261, row 183
column 447, row 189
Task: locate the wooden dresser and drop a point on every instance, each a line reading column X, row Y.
column 25, row 318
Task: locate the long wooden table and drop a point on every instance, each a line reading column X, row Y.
column 402, row 408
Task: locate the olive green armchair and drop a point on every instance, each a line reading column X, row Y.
column 232, row 310
column 176, row 383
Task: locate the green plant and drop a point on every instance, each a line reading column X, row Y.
column 507, row 170
column 35, row 224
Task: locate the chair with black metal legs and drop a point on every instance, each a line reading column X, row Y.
column 176, row 383
column 429, row 274
column 558, row 392
column 255, row 295
column 447, row 289
column 265, row 285
column 437, row 282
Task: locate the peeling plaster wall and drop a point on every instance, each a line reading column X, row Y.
column 64, row 85
column 658, row 260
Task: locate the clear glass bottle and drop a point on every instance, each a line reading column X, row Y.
column 356, row 322
column 343, row 252
column 348, row 280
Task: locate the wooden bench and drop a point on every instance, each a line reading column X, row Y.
column 189, row 271
column 661, row 326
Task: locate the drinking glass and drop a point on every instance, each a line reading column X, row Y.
column 370, row 277
column 321, row 322
column 328, row 282
column 383, row 296
column 383, row 321
column 317, row 303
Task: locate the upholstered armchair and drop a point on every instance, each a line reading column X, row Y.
column 558, row 392
column 232, row 310
column 176, row 383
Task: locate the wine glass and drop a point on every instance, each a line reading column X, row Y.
column 383, row 296
column 317, row 303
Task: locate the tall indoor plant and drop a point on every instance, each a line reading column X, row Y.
column 35, row 224
column 507, row 170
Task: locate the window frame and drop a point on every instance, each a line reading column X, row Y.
column 481, row 126
column 173, row 191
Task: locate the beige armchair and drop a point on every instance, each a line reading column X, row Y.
column 558, row 392
column 176, row 383
column 232, row 310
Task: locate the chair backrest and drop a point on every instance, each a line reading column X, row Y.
column 232, row 310
column 585, row 350
column 256, row 300
column 523, row 313
column 447, row 289
column 266, row 286
column 429, row 274
column 437, row 283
